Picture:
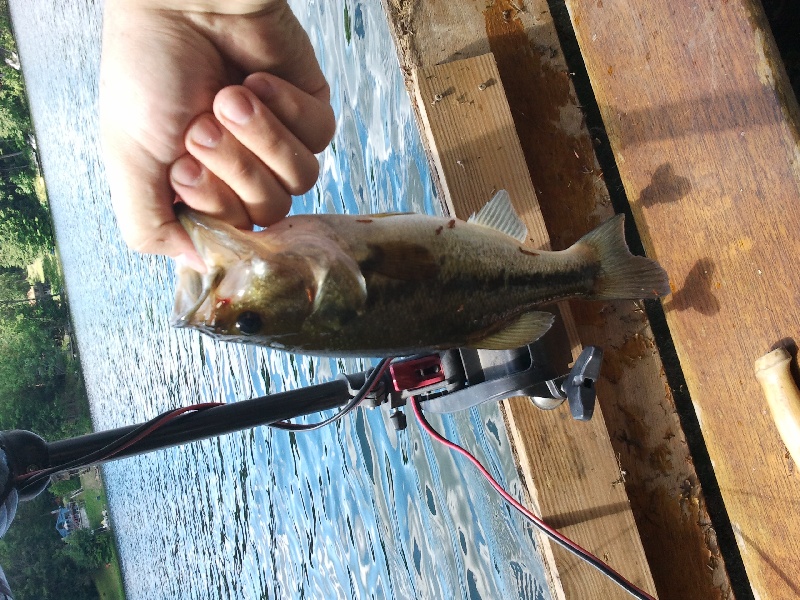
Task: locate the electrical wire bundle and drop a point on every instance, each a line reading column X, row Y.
column 371, row 381
column 29, row 481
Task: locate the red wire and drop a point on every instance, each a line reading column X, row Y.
column 160, row 423
column 513, row 501
column 157, row 425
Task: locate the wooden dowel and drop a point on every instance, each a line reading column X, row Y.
column 783, row 397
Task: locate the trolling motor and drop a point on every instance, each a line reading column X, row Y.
column 444, row 382
column 456, row 380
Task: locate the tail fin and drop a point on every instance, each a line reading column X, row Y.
column 623, row 275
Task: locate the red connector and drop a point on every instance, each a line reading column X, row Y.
column 416, row 373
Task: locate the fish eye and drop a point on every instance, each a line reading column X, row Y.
column 248, row 323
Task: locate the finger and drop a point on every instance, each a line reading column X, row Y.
column 309, row 118
column 149, row 227
column 200, row 189
column 263, row 196
column 261, row 131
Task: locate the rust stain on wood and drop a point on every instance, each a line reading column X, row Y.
column 561, row 162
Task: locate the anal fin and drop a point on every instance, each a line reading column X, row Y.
column 527, row 328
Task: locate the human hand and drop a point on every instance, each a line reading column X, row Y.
column 167, row 65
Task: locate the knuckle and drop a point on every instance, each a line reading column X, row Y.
column 143, row 244
column 324, row 132
column 305, row 178
column 272, row 141
column 291, row 109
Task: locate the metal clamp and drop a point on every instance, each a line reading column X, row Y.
column 500, row 375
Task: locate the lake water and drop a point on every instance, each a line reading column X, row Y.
column 355, row 510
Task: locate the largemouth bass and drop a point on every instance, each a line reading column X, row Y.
column 398, row 284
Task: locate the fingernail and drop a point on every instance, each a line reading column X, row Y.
column 205, row 132
column 261, row 87
column 186, row 171
column 236, row 107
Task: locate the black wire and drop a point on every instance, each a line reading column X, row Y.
column 370, row 382
column 97, row 455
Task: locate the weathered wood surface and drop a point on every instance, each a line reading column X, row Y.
column 571, row 465
column 705, row 130
column 637, row 404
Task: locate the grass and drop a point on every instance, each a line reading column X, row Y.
column 107, row 579
column 47, row 269
column 95, row 505
column 36, row 270
column 51, row 271
column 40, row 189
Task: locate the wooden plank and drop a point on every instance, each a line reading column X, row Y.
column 476, row 152
column 638, row 407
column 705, row 130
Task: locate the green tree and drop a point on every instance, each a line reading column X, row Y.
column 15, row 121
column 28, row 354
column 35, row 560
column 25, row 226
column 13, row 287
column 64, row 488
column 88, row 550
column 24, row 222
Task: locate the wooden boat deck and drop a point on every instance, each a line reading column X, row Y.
column 701, row 125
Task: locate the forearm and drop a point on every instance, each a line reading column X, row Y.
column 229, row 7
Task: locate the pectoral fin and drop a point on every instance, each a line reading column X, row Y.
column 338, row 289
column 406, row 261
column 528, row 328
column 340, row 297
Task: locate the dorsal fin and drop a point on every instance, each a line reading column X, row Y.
column 499, row 214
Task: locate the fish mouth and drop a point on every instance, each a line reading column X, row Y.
column 193, row 296
column 219, row 245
